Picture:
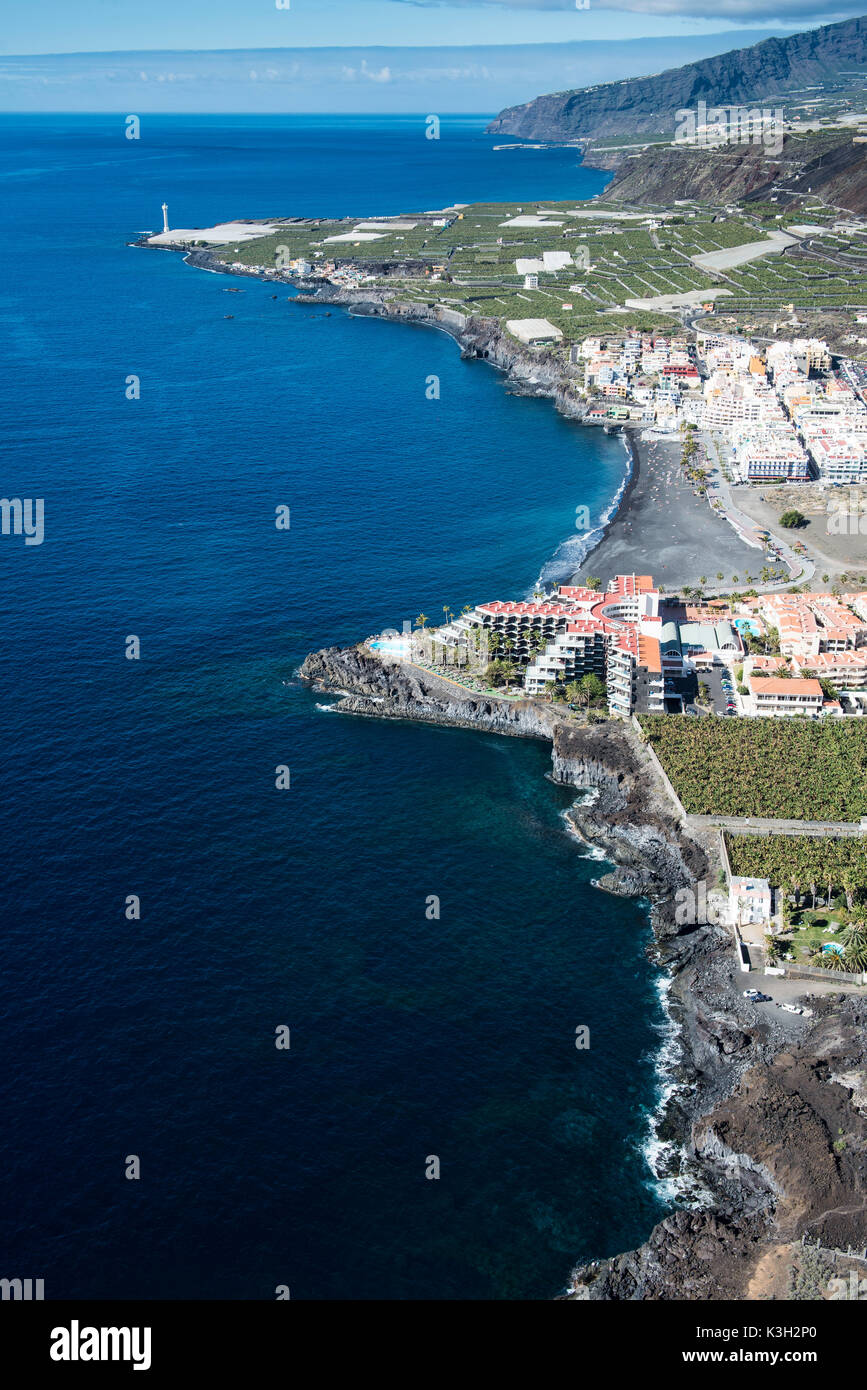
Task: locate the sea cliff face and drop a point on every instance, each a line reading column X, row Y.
column 745, row 76
column 531, row 372
column 831, row 167
column 763, row 1132
column 629, row 818
column 535, row 372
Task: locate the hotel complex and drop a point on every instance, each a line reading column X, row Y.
column 644, row 646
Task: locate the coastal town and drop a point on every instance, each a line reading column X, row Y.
column 721, row 421
column 701, row 670
column 435, row 661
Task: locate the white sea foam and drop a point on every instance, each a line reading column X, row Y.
column 573, row 551
column 672, row 1181
column 589, row 851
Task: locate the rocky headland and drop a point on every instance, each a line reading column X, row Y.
column 764, row 1131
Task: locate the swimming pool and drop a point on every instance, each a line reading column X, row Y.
column 392, row 646
column 748, row 624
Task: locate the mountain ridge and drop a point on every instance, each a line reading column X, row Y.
column 772, row 68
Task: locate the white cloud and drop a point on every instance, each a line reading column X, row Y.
column 384, row 74
column 806, row 11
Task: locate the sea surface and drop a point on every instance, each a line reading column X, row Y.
column 304, row 908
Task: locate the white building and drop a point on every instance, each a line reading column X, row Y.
column 777, row 696
column 533, row 332
column 750, row 901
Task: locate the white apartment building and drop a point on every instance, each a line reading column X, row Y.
column 766, row 455
column 775, row 696
column 840, row 459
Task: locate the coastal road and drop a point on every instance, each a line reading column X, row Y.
column 801, row 568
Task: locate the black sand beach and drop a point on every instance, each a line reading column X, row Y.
column 662, row 528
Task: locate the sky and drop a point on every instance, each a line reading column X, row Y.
column 364, row 56
column 56, row 26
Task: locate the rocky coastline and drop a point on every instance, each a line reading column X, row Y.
column 764, row 1130
column 535, row 372
column 636, row 526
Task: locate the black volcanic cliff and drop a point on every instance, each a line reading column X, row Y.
column 644, row 105
column 832, row 166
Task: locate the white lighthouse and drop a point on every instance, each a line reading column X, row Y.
column 165, row 217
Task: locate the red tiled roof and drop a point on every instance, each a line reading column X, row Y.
column 649, row 653
column 765, row 685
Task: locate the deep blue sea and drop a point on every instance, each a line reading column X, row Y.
column 302, row 907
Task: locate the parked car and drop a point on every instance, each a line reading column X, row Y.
column 791, row 1008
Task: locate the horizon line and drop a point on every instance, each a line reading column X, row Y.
column 428, row 47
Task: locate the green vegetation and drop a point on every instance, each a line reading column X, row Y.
column 776, row 768
column 838, row 942
column 470, row 265
column 820, row 282
column 792, row 518
column 812, row 865
column 823, row 881
column 474, row 258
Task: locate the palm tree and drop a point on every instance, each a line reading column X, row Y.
column 447, row 611
column 421, row 620
column 720, row 576
column 854, row 934
column 855, row 957
column 592, row 687
column 550, row 687
column 832, row 960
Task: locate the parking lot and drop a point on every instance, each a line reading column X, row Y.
column 714, row 681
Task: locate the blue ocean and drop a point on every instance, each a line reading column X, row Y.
column 300, row 909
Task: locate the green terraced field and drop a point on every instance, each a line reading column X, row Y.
column 477, row 253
